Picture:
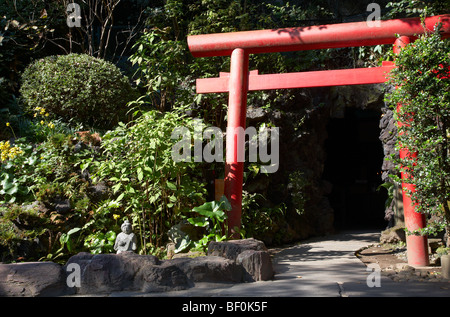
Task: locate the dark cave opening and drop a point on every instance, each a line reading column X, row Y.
column 353, row 167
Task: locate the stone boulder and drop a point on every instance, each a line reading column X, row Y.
column 33, row 279
column 257, row 265
column 209, row 269
column 393, row 235
column 127, row 271
column 232, row 248
column 97, row 192
column 251, row 254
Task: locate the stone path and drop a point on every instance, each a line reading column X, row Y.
column 319, row 267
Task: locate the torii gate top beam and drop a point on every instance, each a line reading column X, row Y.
column 313, row 37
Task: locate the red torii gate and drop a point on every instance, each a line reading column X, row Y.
column 239, row 81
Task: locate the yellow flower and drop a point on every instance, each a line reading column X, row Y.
column 116, row 216
column 7, row 124
column 3, row 144
column 9, row 152
column 40, row 110
column 42, row 122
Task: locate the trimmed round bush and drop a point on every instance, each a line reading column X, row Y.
column 86, row 89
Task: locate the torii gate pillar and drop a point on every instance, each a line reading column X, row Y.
column 237, row 111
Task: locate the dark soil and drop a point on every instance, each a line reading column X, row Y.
column 388, row 257
column 383, row 256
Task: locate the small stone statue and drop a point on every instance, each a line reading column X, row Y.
column 126, row 240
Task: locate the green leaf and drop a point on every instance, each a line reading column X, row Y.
column 120, row 197
column 32, row 160
column 110, row 236
column 130, row 189
column 12, row 189
column 8, row 165
column 171, row 186
column 140, row 174
column 183, row 244
column 206, row 209
column 63, row 239
column 198, row 221
column 225, row 203
column 69, row 245
column 72, row 231
column 116, row 188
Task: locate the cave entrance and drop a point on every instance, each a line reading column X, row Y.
column 353, row 166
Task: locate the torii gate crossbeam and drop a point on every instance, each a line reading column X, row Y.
column 239, row 81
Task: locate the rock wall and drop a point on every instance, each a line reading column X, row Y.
column 232, row 261
column 388, row 137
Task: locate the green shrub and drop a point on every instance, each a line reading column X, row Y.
column 423, row 90
column 78, row 87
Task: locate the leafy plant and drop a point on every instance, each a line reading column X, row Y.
column 27, row 30
column 158, row 60
column 298, row 184
column 66, row 240
column 211, row 216
column 390, row 192
column 46, row 174
column 262, row 221
column 100, row 242
column 423, row 91
column 442, row 251
column 15, row 182
column 408, row 8
column 153, row 189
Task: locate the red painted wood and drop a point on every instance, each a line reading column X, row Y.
column 417, row 246
column 312, row 37
column 237, row 111
column 357, row 76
